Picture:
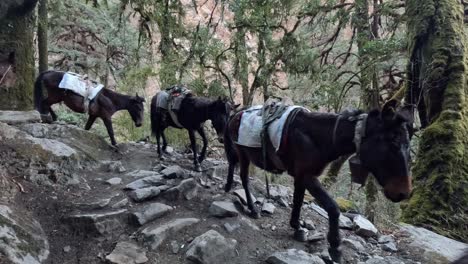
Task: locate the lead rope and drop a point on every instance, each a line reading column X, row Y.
column 5, row 74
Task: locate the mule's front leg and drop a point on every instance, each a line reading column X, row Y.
column 201, row 131
column 299, row 190
column 110, row 130
column 316, row 189
column 193, row 145
column 90, row 122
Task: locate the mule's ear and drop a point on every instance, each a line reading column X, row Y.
column 389, row 110
column 236, row 106
column 12, row 57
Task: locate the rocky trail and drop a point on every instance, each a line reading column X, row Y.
column 68, row 197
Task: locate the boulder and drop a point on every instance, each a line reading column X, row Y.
column 211, row 248
column 364, row 227
column 19, row 117
column 22, row 239
column 149, row 213
column 344, row 222
column 127, row 253
column 154, row 235
column 354, row 244
column 223, row 209
column 142, row 173
column 294, row 256
column 436, row 248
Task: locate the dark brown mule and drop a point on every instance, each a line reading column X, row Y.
column 312, row 140
column 193, row 112
column 104, row 105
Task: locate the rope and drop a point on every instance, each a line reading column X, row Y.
column 4, row 75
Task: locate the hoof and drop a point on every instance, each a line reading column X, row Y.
column 227, row 188
column 161, row 158
column 198, row 168
column 301, row 235
column 335, row 254
column 254, row 214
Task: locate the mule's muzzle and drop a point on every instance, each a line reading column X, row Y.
column 397, row 197
column 398, row 192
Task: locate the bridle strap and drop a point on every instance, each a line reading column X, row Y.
column 360, row 131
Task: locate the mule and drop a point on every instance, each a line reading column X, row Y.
column 193, row 112
column 104, row 105
column 311, row 140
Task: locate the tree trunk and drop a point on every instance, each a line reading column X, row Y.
column 42, row 27
column 438, row 66
column 16, row 35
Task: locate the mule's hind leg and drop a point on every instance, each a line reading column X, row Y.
column 298, row 199
column 244, row 175
column 193, row 145
column 315, row 188
column 47, row 106
column 158, row 143
column 164, row 146
column 201, row 131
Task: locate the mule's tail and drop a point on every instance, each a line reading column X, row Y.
column 38, row 94
column 153, row 116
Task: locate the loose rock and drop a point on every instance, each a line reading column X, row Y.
column 211, row 248
column 364, row 227
column 268, row 208
column 241, row 194
column 149, row 213
column 154, row 235
column 127, row 253
column 98, row 223
column 114, row 181
column 390, row 247
column 173, row 172
column 294, row 256
column 120, row 203
column 223, row 209
column 353, row 244
column 187, row 188
column 150, row 181
column 19, row 117
column 231, row 227
column 144, row 194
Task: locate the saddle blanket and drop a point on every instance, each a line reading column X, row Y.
column 171, row 98
column 250, row 128
column 76, row 83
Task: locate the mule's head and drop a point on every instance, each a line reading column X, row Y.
column 136, row 109
column 385, row 150
column 7, row 70
column 219, row 113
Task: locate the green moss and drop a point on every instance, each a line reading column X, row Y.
column 346, row 205
column 17, row 36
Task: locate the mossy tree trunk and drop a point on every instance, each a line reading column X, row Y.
column 16, row 35
column 438, row 66
column 42, row 26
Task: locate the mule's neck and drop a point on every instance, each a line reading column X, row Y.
column 120, row 101
column 202, row 106
column 334, row 139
